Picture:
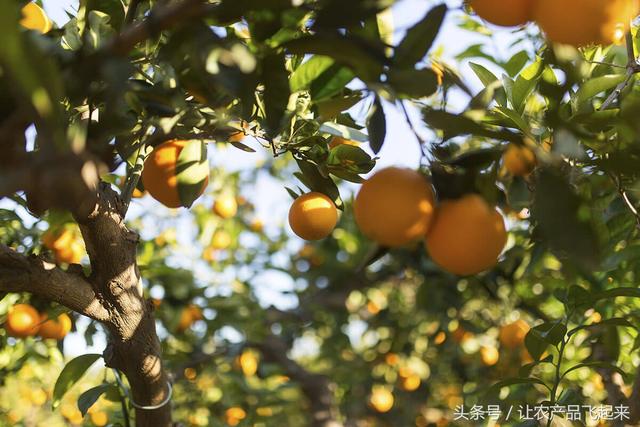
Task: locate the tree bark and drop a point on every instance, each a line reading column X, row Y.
column 133, row 346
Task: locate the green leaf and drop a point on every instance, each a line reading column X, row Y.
column 525, row 84
column 91, row 396
column 516, row 62
column 589, row 89
column 616, row 292
column 192, row 171
column 376, row 125
column 564, row 219
column 328, row 109
column 413, row 83
column 344, row 131
column 419, row 38
column 454, row 125
column 315, row 181
column 597, row 364
column 70, row 374
column 349, row 158
column 364, row 60
column 276, row 91
column 322, row 76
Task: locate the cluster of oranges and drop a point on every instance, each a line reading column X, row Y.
column 575, row 22
column 23, row 320
column 65, row 243
column 396, row 207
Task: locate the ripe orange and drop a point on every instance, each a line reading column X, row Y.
column 519, row 160
column 257, row 225
column 55, row 329
column 338, row 140
column 34, row 18
column 221, row 240
column 235, row 415
column 71, row 254
column 225, row 206
column 489, row 355
column 159, row 173
column 57, row 238
column 22, row 321
column 584, row 22
column 467, row 235
column 248, row 363
column 381, row 399
column 99, row 418
column 505, row 13
column 313, row 216
column 395, row 206
column 512, row 335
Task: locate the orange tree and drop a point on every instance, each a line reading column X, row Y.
column 418, row 300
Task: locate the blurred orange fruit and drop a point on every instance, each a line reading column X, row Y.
column 512, row 335
column 22, row 321
column 504, row 13
column 592, row 21
column 381, row 399
column 55, row 329
column 225, row 206
column 519, row 160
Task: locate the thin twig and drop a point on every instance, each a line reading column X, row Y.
column 632, row 68
column 625, row 198
column 421, row 142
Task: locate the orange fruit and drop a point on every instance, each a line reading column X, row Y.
column 22, row 321
column 467, row 236
column 519, row 160
column 221, row 240
column 57, row 238
column 410, row 382
column 505, row 13
column 585, row 22
column 34, row 18
column 159, row 174
column 313, row 216
column 235, row 415
column 225, row 206
column 381, row 399
column 338, row 140
column 55, row 329
column 99, row 418
column 188, row 315
column 461, row 335
column 71, row 254
column 248, row 363
column 512, row 335
column 395, row 206
column 489, row 355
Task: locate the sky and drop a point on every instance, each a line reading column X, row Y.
column 269, row 196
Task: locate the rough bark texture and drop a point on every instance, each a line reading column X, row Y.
column 112, row 294
column 133, row 346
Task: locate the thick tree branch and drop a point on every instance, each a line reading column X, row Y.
column 133, row 346
column 19, row 273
